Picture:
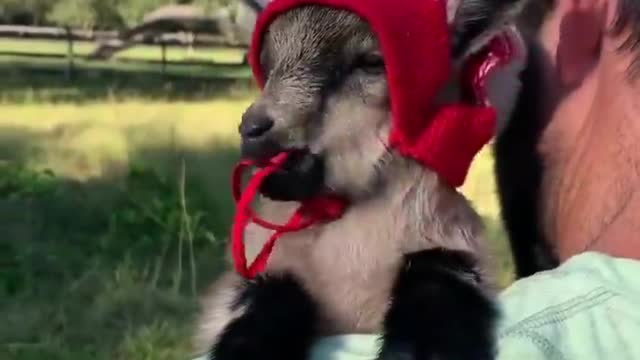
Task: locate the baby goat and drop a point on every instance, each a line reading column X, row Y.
column 407, row 260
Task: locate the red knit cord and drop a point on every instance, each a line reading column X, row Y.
column 310, row 212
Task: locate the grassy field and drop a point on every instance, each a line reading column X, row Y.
column 145, row 52
column 115, row 209
column 28, row 78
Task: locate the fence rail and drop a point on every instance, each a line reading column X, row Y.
column 51, row 32
column 109, row 42
column 200, row 40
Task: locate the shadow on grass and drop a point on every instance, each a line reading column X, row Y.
column 16, row 144
column 107, row 268
column 102, row 268
column 29, row 83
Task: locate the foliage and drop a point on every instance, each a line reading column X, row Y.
column 90, row 259
column 20, row 182
column 73, row 13
column 89, row 14
column 99, row 257
column 107, row 14
column 134, row 11
column 156, row 212
column 117, row 283
column 25, row 12
column 210, row 5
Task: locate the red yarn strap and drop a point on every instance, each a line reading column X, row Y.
column 310, row 212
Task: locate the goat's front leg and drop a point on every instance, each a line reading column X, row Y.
column 277, row 322
column 438, row 311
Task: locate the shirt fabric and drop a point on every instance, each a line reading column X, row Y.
column 586, row 309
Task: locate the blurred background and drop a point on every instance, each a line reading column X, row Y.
column 118, row 127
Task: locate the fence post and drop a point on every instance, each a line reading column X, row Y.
column 70, row 65
column 163, row 45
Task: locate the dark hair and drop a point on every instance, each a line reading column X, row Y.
column 627, row 18
column 534, row 13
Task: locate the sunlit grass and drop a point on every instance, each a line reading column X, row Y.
column 108, row 304
column 115, row 127
column 83, row 290
column 142, row 52
column 61, row 64
column 86, row 140
column 45, row 46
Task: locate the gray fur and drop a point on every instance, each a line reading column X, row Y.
column 398, row 206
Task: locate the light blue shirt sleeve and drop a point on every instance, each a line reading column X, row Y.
column 586, row 309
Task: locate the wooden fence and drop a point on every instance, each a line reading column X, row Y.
column 107, row 40
column 63, row 33
column 50, row 32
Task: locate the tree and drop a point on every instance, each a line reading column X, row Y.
column 87, row 14
column 39, row 9
column 73, row 13
column 107, row 13
column 25, row 12
column 210, row 5
column 90, row 14
column 133, row 12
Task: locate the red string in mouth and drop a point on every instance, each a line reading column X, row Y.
column 320, row 209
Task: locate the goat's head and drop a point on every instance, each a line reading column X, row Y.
column 326, row 88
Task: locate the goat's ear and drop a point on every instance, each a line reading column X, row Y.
column 248, row 11
column 256, row 5
column 452, row 9
column 473, row 22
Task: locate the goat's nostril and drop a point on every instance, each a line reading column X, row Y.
column 256, row 128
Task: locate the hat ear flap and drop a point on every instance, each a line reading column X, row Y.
column 503, row 84
column 473, row 23
column 256, row 5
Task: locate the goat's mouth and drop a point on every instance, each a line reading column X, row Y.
column 261, row 149
column 300, row 178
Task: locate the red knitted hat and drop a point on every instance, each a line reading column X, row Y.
column 415, row 44
column 414, row 39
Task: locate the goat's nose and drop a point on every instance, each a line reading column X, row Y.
column 254, row 126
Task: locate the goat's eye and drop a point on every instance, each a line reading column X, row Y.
column 371, row 63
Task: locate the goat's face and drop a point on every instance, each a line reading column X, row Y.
column 326, row 92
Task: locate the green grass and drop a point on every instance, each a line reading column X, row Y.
column 143, row 52
column 103, row 259
column 45, row 47
column 99, row 261
column 27, row 81
column 60, row 64
column 26, row 78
